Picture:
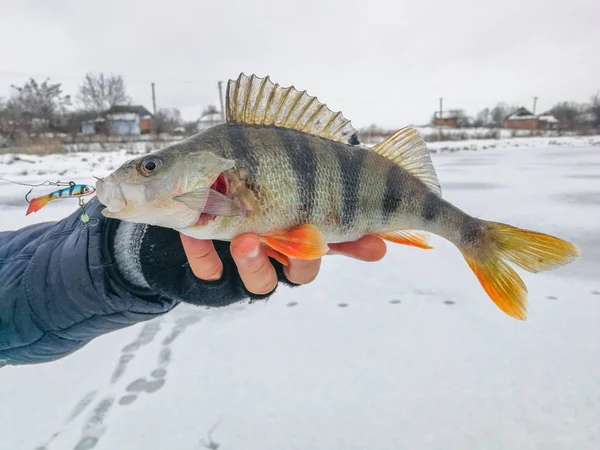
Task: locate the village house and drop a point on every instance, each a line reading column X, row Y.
column 209, row 118
column 120, row 120
column 523, row 119
column 547, row 122
column 446, row 119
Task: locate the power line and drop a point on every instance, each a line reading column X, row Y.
column 11, row 74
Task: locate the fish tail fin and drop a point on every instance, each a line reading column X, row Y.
column 500, row 244
column 38, row 203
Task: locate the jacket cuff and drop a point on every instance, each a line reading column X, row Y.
column 150, row 261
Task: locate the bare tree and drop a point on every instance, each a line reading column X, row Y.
column 210, row 109
column 100, row 92
column 568, row 114
column 595, row 108
column 3, row 119
column 462, row 119
column 483, row 118
column 167, row 119
column 499, row 113
column 191, row 127
column 37, row 105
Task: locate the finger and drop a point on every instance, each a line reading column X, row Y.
column 254, row 266
column 203, row 259
column 301, row 271
column 367, row 248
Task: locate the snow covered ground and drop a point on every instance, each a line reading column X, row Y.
column 408, row 353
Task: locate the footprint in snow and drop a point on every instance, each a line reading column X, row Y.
column 146, row 336
column 595, row 292
column 158, row 373
column 81, row 405
column 141, row 385
column 180, row 326
column 94, row 427
column 290, row 304
column 449, row 302
column 343, row 305
column 551, row 297
column 395, row 302
column 127, row 400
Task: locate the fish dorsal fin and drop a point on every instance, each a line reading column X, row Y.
column 258, row 101
column 407, row 149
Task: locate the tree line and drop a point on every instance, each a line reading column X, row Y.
column 39, row 107
column 571, row 116
column 43, row 106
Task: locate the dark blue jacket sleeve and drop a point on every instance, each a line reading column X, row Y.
column 57, row 292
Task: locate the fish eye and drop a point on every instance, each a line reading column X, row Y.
column 86, row 189
column 149, row 166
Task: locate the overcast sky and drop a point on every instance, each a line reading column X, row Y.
column 384, row 62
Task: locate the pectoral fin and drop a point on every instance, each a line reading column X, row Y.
column 303, row 242
column 277, row 256
column 209, row 201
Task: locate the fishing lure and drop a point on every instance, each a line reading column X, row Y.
column 72, row 191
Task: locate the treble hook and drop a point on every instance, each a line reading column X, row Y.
column 27, row 196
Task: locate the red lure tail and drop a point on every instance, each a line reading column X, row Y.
column 38, row 203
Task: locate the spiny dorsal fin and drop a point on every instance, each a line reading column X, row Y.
column 258, row 101
column 407, row 149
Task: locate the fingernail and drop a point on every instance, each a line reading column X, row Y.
column 253, row 253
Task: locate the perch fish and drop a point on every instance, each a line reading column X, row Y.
column 286, row 167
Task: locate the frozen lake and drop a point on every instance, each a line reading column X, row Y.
column 407, row 353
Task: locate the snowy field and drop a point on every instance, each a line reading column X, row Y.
column 407, row 353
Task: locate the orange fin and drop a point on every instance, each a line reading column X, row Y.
column 503, row 285
column 281, row 258
column 533, row 251
column 303, row 242
column 38, row 203
column 413, row 238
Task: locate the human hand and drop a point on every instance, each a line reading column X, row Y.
column 255, row 268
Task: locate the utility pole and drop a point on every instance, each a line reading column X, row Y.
column 153, row 100
column 440, row 117
column 220, row 85
column 534, row 104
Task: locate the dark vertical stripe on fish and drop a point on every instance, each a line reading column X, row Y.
column 432, row 207
column 242, row 149
column 304, row 163
column 392, row 197
column 71, row 188
column 351, row 162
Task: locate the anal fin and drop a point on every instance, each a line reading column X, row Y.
column 413, row 238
